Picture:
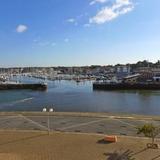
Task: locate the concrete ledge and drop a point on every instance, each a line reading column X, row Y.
column 85, row 114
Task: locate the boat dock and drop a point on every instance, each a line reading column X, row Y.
column 12, row 86
column 126, row 86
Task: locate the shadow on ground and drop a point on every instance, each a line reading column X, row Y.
column 119, row 155
column 102, row 141
column 156, row 158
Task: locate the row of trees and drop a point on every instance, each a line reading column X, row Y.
column 145, row 63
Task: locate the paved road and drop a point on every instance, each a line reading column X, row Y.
column 102, row 125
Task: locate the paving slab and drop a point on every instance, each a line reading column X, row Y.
column 86, row 124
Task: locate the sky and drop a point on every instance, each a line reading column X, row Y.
column 78, row 32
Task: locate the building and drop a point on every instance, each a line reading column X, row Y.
column 131, row 78
column 122, row 71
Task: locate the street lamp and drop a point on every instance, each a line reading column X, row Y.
column 48, row 110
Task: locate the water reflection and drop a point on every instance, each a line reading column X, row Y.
column 70, row 96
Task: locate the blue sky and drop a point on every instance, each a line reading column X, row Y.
column 78, row 32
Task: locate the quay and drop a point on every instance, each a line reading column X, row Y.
column 126, row 86
column 130, row 82
column 12, row 86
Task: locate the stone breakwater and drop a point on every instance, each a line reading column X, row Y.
column 126, row 86
column 36, row 86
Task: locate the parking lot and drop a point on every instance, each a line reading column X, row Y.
column 83, row 124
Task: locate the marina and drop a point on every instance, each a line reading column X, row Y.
column 11, row 82
column 70, row 96
column 130, row 82
column 66, row 90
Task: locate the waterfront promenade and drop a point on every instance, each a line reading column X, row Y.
column 70, row 146
column 96, row 123
column 24, row 136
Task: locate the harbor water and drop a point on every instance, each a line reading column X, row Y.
column 69, row 96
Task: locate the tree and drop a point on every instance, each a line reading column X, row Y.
column 151, row 131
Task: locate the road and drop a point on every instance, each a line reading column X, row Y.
column 110, row 125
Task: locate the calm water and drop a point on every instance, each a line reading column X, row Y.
column 70, row 96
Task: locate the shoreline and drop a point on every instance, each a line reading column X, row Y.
column 83, row 114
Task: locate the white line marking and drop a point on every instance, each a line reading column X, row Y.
column 36, row 123
column 82, row 124
column 129, row 124
column 119, row 117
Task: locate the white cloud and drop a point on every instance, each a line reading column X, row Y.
column 97, row 1
column 53, row 44
column 87, row 25
column 35, row 40
column 106, row 14
column 21, row 28
column 45, row 43
column 71, row 20
column 66, row 40
column 42, row 43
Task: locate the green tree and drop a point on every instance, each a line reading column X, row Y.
column 149, row 130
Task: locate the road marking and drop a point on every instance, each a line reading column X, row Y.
column 82, row 124
column 118, row 117
column 53, row 119
column 34, row 122
column 129, row 124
